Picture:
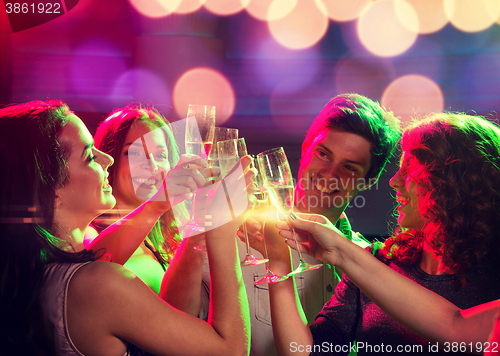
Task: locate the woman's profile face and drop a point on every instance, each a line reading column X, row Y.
column 87, row 192
column 407, row 196
column 143, row 160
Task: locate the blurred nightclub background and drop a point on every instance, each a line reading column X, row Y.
column 269, row 66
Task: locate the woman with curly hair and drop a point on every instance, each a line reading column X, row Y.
column 454, row 162
column 58, row 301
column 449, row 203
column 126, row 135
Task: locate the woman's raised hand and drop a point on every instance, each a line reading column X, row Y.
column 317, row 236
column 190, row 174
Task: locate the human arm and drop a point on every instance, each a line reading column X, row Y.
column 288, row 318
column 181, row 283
column 107, row 304
column 418, row 309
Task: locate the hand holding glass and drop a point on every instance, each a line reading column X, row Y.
column 200, row 125
column 263, row 201
column 279, row 184
column 229, row 153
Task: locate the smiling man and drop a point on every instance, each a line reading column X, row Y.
column 344, row 152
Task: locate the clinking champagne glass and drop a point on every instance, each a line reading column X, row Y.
column 263, row 202
column 220, row 134
column 200, row 125
column 279, row 184
column 230, row 152
column 200, row 129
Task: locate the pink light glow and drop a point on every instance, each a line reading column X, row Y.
column 412, row 96
column 155, row 8
column 341, row 10
column 204, row 86
column 303, row 27
column 392, row 36
column 225, row 7
column 472, row 15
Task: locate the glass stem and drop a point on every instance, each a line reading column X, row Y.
column 266, row 256
column 191, row 213
column 247, row 243
column 297, row 244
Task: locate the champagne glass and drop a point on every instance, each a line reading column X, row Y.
column 200, row 125
column 220, row 134
column 230, row 152
column 279, row 184
column 200, row 128
column 263, row 203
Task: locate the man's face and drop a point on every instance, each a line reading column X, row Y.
column 332, row 171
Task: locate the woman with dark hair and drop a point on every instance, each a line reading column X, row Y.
column 126, row 135
column 59, row 301
column 449, row 203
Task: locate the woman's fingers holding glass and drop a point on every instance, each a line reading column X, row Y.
column 304, row 248
column 255, row 238
column 211, row 174
column 179, row 185
column 305, row 240
column 188, row 160
column 253, row 235
column 318, row 231
column 253, row 224
column 286, row 232
column 194, row 179
column 310, row 217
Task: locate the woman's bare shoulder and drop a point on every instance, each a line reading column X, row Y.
column 100, row 278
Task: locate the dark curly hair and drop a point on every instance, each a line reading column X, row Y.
column 362, row 116
column 164, row 238
column 34, row 166
column 455, row 160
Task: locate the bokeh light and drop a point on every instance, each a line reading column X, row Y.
column 289, row 109
column 304, row 26
column 387, row 30
column 285, row 64
column 188, row 6
column 472, row 15
column 155, row 8
column 142, row 86
column 431, row 14
column 270, row 10
column 259, row 8
column 342, row 10
column 412, row 96
column 366, row 76
column 93, row 63
column 478, row 88
column 225, row 7
column 204, row 86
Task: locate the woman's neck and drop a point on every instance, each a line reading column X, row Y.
column 122, row 209
column 71, row 235
column 431, row 264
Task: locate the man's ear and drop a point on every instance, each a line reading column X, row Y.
column 58, row 192
column 57, row 201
